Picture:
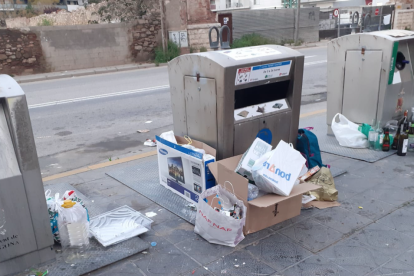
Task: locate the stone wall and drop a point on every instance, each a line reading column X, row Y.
column 145, row 37
column 198, row 35
column 61, row 48
column 20, row 52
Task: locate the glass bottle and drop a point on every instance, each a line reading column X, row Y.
column 403, row 141
column 371, row 135
column 394, row 145
column 386, row 141
column 379, row 133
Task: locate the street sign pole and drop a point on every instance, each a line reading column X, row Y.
column 339, row 23
column 297, row 20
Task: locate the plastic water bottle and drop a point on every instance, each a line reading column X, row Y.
column 253, row 192
column 73, row 225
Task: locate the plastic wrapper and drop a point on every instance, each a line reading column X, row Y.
column 253, row 192
column 327, row 192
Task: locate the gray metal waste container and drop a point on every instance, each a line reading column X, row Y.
column 370, row 76
column 228, row 98
column 25, row 234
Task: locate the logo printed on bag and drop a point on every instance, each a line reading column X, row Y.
column 212, row 224
column 163, row 151
column 277, row 171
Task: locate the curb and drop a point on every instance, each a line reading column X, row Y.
column 84, row 72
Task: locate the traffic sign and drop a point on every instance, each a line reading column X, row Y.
column 376, row 11
column 336, row 12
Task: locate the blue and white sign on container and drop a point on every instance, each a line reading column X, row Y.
column 263, row 72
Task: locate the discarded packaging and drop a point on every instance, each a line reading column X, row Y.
column 73, row 224
column 118, row 225
column 278, row 172
column 143, row 130
column 327, row 192
column 150, row 143
column 266, row 210
column 183, row 170
column 216, row 226
column 253, row 192
column 254, row 152
column 311, row 172
column 169, row 136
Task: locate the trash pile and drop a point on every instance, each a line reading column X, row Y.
column 255, row 190
column 397, row 135
column 72, row 227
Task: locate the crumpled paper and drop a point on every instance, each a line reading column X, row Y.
column 327, row 192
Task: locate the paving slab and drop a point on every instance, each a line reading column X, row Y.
column 393, row 267
column 341, row 220
column 368, row 249
column 312, row 235
column 203, row 251
column 252, row 238
column 239, row 263
column 278, row 252
column 176, row 230
column 400, row 220
column 370, row 208
column 316, row 266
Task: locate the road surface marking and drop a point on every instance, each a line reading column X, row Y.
column 309, row 56
column 131, row 158
column 98, row 96
column 315, row 62
column 124, row 92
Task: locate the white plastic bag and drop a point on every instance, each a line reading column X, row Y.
column 215, row 226
column 347, row 133
column 279, row 172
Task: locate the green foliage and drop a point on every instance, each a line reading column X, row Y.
column 252, row 40
column 46, row 22
column 203, row 49
column 193, row 50
column 172, row 52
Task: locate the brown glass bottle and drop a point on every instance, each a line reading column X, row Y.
column 386, row 140
column 394, row 145
column 403, row 141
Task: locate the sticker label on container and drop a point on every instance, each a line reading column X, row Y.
column 249, row 52
column 262, row 72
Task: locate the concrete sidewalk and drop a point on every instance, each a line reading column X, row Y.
column 371, row 233
column 118, row 68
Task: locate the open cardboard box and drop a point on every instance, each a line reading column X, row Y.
column 264, row 211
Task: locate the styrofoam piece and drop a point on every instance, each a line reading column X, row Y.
column 118, row 225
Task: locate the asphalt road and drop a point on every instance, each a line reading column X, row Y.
column 86, row 120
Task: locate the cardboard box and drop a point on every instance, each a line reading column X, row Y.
column 182, row 170
column 264, row 211
column 254, row 152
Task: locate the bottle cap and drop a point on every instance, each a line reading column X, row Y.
column 68, row 203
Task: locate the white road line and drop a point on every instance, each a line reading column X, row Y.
column 98, row 96
column 315, row 62
column 309, row 56
column 123, row 92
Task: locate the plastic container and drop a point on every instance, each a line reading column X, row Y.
column 253, row 192
column 73, row 225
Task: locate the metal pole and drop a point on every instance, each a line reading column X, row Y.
column 380, row 19
column 297, row 20
column 162, row 25
column 339, row 23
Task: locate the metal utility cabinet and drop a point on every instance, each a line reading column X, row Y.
column 370, row 76
column 25, row 234
column 228, row 98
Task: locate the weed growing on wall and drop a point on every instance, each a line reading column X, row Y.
column 172, row 52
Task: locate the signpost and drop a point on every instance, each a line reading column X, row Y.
column 376, row 11
column 336, row 12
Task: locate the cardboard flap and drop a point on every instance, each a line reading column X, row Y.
column 238, row 182
column 213, row 169
column 272, row 199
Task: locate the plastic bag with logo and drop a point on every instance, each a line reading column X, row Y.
column 53, row 213
column 214, row 224
column 277, row 171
